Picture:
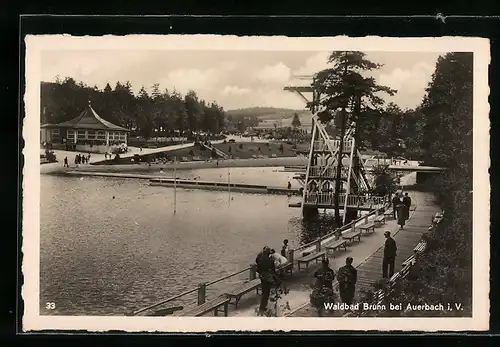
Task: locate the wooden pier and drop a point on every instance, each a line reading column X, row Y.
column 223, row 186
column 193, row 184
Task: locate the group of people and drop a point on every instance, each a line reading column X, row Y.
column 401, row 208
column 347, row 277
column 268, row 263
column 268, row 267
column 79, row 159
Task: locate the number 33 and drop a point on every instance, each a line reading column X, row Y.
column 50, row 305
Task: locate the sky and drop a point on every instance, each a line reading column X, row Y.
column 234, row 79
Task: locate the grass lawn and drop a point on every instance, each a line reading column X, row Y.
column 246, row 150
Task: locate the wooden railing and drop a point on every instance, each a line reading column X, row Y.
column 318, row 242
column 352, row 200
column 201, row 290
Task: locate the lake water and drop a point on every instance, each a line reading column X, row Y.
column 111, row 246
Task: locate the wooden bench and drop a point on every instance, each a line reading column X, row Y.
column 212, row 305
column 367, row 227
column 379, row 221
column 350, row 236
column 237, row 292
column 309, row 258
column 336, row 245
column 420, row 247
column 408, row 261
column 389, row 214
column 166, row 311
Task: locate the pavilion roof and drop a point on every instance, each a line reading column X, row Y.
column 88, row 119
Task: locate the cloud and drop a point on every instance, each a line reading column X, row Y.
column 408, row 82
column 314, row 64
column 274, row 74
column 235, row 90
column 184, row 80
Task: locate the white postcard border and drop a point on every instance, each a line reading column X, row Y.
column 32, row 321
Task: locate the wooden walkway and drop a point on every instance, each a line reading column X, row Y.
column 371, row 270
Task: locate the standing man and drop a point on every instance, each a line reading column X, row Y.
column 284, row 249
column 395, row 202
column 347, row 277
column 390, row 249
column 407, row 203
column 66, row 162
column 266, row 270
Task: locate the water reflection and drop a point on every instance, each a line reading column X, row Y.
column 312, row 228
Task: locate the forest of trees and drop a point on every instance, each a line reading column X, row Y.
column 443, row 132
column 157, row 113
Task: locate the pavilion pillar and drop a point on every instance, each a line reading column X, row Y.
column 107, row 138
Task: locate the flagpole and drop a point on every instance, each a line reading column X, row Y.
column 175, row 185
column 229, row 183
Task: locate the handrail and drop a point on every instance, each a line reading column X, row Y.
column 228, row 276
column 188, row 292
column 342, row 228
column 165, row 301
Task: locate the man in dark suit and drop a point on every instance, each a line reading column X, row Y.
column 389, row 260
column 407, row 203
column 395, row 202
column 347, row 277
column 267, row 273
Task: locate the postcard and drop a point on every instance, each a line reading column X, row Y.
column 205, row 183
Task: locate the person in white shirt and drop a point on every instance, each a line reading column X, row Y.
column 278, row 259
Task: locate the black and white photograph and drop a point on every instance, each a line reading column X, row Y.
column 258, row 178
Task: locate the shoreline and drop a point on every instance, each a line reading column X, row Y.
column 55, row 168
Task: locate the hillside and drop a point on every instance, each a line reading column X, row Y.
column 269, row 116
column 264, row 112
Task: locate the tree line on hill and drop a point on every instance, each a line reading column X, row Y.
column 160, row 112
column 437, row 132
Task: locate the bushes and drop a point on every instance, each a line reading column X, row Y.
column 51, row 157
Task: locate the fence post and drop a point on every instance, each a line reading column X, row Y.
column 353, row 227
column 377, row 211
column 253, row 272
column 290, row 255
column 366, row 219
column 318, row 245
column 202, row 291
